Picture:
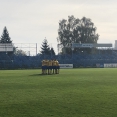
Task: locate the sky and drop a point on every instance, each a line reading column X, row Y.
column 31, row 21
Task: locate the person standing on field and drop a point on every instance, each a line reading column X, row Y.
column 46, row 66
column 50, row 67
column 57, row 67
column 54, row 66
column 43, row 67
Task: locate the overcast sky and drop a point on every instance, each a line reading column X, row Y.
column 30, row 21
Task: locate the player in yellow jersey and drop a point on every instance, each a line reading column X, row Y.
column 53, row 65
column 50, row 67
column 46, row 66
column 57, row 67
column 43, row 67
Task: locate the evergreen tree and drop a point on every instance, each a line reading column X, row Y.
column 45, row 49
column 5, row 37
column 52, row 51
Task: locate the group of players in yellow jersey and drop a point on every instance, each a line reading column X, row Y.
column 50, row 67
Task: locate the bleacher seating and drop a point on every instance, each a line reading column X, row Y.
column 78, row 60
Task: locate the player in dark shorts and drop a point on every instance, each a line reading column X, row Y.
column 57, row 67
column 46, row 66
column 43, row 67
column 50, row 67
column 54, row 66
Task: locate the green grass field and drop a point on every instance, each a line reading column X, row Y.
column 72, row 93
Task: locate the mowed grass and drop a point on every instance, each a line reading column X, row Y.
column 72, row 93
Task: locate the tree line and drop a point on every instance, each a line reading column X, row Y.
column 75, row 30
column 72, row 30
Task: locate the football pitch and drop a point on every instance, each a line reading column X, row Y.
column 72, row 93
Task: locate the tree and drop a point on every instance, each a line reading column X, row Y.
column 76, row 30
column 5, row 36
column 52, row 51
column 45, row 49
column 19, row 52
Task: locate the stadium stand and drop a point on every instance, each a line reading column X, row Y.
column 78, row 60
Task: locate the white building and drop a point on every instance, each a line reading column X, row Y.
column 115, row 45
